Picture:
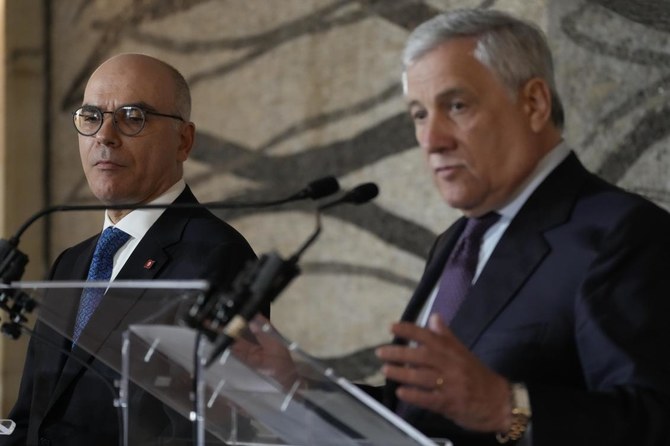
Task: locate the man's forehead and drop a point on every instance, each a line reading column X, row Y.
column 117, row 89
column 449, row 66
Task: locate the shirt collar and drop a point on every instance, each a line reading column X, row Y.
column 137, row 222
column 546, row 165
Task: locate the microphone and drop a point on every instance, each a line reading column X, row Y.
column 13, row 261
column 320, row 188
column 358, row 195
column 15, row 302
column 259, row 284
column 315, row 190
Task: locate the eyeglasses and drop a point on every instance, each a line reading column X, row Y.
column 127, row 119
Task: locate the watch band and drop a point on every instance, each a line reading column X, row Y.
column 521, row 414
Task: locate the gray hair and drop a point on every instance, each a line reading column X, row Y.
column 515, row 50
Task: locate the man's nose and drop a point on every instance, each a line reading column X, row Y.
column 435, row 134
column 108, row 133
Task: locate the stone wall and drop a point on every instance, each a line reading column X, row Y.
column 286, row 91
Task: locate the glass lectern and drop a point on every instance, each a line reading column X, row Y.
column 262, row 390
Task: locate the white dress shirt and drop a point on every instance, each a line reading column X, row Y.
column 137, row 222
column 491, row 238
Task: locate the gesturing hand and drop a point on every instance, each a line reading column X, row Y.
column 438, row 373
column 266, row 353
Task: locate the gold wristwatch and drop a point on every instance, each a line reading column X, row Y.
column 521, row 414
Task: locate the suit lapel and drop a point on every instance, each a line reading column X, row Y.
column 436, row 261
column 146, row 262
column 522, row 247
column 115, row 307
column 117, row 303
column 519, row 251
column 68, row 302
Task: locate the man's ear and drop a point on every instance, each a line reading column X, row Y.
column 187, row 139
column 536, row 98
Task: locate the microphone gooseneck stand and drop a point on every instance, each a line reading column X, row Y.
column 223, row 318
column 17, row 304
column 13, row 262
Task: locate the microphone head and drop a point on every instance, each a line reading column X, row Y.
column 321, row 188
column 362, row 193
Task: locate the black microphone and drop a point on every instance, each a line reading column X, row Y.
column 315, row 190
column 358, row 195
column 260, row 284
column 13, row 261
column 320, row 188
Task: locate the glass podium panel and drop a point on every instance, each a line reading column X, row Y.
column 94, row 361
column 262, row 390
column 175, row 387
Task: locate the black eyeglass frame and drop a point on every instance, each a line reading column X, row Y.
column 102, row 113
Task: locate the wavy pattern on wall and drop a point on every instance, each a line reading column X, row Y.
column 652, row 126
column 261, row 163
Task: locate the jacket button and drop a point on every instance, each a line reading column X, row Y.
column 45, row 442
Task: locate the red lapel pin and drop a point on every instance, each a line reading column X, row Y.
column 149, row 264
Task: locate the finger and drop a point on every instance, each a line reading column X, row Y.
column 418, row 356
column 436, row 325
column 247, row 352
column 421, row 335
column 265, row 333
column 260, row 319
column 425, row 378
column 430, row 399
column 414, row 334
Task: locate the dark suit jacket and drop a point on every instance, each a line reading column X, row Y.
column 63, row 403
column 574, row 302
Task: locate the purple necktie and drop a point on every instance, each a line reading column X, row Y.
column 460, row 268
column 109, row 242
column 457, row 277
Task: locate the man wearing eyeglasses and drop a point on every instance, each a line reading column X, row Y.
column 134, row 136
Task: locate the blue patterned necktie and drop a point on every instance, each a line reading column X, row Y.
column 109, row 242
column 461, row 266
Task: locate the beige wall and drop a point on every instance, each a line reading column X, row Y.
column 286, row 91
column 21, row 154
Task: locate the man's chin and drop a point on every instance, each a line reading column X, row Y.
column 114, row 199
column 466, row 207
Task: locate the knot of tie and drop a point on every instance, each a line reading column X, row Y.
column 109, row 242
column 475, row 228
column 467, row 247
column 461, row 265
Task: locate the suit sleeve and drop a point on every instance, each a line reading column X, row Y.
column 623, row 342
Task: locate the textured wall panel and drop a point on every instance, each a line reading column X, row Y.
column 286, row 91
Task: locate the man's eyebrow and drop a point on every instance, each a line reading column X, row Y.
column 440, row 97
column 413, row 103
column 444, row 94
column 141, row 104
column 449, row 93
